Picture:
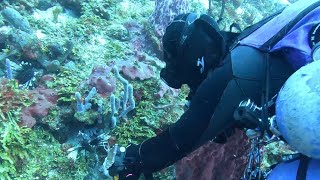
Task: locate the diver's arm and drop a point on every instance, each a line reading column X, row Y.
column 212, row 107
column 181, row 138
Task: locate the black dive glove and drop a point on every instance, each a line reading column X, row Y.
column 126, row 164
column 150, row 156
column 132, row 164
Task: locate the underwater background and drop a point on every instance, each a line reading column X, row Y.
column 78, row 76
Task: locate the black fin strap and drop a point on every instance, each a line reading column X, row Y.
column 303, row 167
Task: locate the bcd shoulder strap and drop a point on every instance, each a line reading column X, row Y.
column 249, row 30
column 279, row 35
column 303, row 167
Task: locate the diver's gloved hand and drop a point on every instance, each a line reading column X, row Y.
column 132, row 163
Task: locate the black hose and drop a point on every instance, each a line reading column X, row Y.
column 222, row 11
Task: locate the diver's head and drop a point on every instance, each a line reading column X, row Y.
column 192, row 46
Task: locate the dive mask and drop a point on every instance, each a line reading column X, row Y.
column 170, row 74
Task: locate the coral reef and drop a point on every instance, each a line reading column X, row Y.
column 140, row 71
column 66, row 84
column 100, row 79
column 30, row 153
column 165, row 11
column 44, row 100
column 273, row 153
column 12, row 145
column 15, row 18
column 11, row 97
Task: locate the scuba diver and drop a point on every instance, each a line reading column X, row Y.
column 223, row 69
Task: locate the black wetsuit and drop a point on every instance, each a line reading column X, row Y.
column 241, row 76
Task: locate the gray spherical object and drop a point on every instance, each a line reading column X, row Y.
column 298, row 110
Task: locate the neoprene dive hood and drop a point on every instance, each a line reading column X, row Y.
column 192, row 46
